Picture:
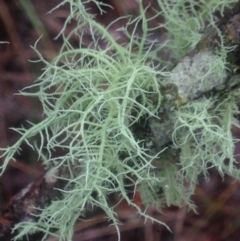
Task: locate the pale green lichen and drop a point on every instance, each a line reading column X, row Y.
column 203, row 132
column 186, row 21
column 90, row 101
column 198, row 74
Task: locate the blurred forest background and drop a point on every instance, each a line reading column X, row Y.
column 22, row 23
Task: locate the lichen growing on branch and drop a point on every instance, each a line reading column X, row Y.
column 96, row 99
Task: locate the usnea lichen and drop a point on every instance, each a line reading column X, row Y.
column 94, row 102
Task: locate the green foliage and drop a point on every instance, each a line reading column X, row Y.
column 90, row 100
